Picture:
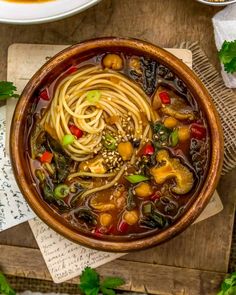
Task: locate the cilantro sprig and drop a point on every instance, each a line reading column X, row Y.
column 5, row 287
column 228, row 286
column 7, row 90
column 227, row 56
column 90, row 283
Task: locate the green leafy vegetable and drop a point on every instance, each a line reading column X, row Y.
column 90, row 283
column 227, row 56
column 7, row 90
column 228, row 286
column 151, row 218
column 161, row 135
column 136, row 178
column 5, row 288
column 130, row 201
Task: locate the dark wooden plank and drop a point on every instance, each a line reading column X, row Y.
column 139, row 277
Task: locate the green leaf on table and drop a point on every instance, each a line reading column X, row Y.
column 227, row 56
column 89, row 282
column 7, row 90
column 231, row 67
column 112, row 282
column 106, row 291
column 5, row 288
column 228, row 286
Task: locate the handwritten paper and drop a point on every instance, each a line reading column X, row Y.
column 13, row 207
column 66, row 260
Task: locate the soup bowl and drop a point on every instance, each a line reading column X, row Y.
column 76, row 54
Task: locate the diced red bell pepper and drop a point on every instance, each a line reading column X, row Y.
column 198, row 131
column 76, row 131
column 46, row 157
column 165, row 97
column 148, row 149
column 123, row 226
column 97, row 232
column 155, row 196
column 44, row 94
column 72, row 70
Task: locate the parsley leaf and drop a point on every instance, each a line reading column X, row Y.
column 5, row 288
column 90, row 283
column 227, row 56
column 7, row 90
column 112, row 282
column 106, row 291
column 228, row 286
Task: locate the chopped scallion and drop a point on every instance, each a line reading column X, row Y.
column 93, row 96
column 68, row 139
column 61, row 191
column 174, row 137
column 109, row 142
column 136, row 178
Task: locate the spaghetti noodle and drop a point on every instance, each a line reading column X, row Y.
column 118, row 96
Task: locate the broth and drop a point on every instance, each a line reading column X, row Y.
column 118, row 146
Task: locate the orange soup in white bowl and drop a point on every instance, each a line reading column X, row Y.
column 40, row 11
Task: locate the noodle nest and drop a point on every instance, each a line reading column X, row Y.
column 118, row 96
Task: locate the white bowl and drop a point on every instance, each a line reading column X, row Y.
column 31, row 13
column 217, row 3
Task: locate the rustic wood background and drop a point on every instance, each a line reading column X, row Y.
column 196, row 261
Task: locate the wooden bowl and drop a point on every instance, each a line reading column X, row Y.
column 47, row 73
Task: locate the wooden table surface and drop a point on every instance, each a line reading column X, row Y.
column 192, row 263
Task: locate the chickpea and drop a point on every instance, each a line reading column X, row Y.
column 125, row 149
column 183, row 133
column 120, row 202
column 170, row 122
column 143, row 190
column 131, row 217
column 113, row 61
column 105, row 219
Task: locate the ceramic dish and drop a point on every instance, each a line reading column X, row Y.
column 65, row 62
column 31, row 13
column 217, row 3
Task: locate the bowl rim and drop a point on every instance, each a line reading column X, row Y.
column 217, row 3
column 194, row 85
column 51, row 18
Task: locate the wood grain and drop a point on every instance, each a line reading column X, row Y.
column 204, row 246
column 162, row 280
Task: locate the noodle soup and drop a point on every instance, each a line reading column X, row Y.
column 118, row 146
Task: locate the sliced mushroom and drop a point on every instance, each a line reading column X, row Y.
column 178, row 115
column 173, row 168
column 101, row 206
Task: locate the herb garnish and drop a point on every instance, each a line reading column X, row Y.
column 90, row 283
column 7, row 90
column 5, row 287
column 227, row 56
column 228, row 286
